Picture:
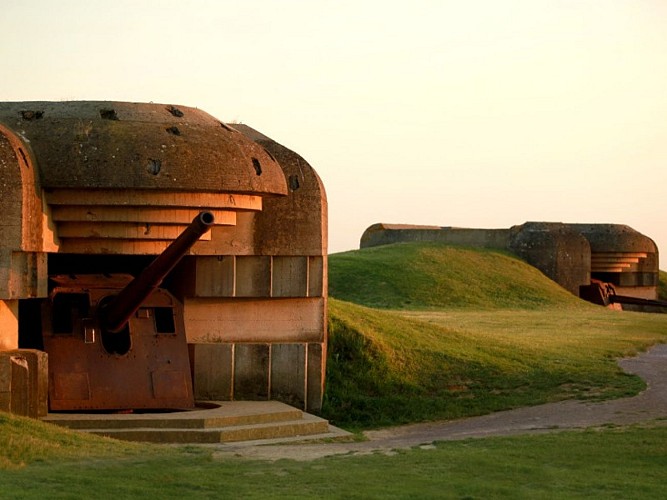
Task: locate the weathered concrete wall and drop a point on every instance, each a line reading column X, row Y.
column 291, row 372
column 296, row 224
column 556, row 249
column 385, row 234
column 570, row 254
column 24, row 229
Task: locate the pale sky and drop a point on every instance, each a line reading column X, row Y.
column 453, row 113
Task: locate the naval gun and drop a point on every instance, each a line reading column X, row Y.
column 116, row 342
column 604, row 294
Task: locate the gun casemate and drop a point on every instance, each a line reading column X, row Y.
column 136, row 306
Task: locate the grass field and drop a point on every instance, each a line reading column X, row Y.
column 440, row 332
column 388, row 368
column 428, row 333
column 607, row 463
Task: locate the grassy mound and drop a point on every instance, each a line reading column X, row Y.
column 421, row 276
column 470, row 331
column 25, row 441
column 387, row 367
column 662, row 286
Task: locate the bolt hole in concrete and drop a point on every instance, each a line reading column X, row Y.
column 31, row 115
column 294, row 182
column 154, row 166
column 108, row 114
column 175, row 111
column 257, row 165
column 173, row 131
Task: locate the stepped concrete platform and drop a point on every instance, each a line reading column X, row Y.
column 208, row 423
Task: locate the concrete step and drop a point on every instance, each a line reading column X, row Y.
column 205, row 415
column 221, row 422
column 306, row 426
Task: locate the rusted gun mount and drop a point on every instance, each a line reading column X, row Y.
column 119, row 343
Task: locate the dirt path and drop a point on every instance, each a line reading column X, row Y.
column 647, row 406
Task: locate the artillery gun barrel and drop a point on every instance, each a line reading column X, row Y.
column 119, row 311
column 624, row 299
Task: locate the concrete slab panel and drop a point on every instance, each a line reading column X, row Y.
column 316, row 276
column 315, row 376
column 251, row 371
column 212, row 371
column 288, row 374
column 261, row 320
column 253, row 276
column 290, row 276
column 215, row 276
column 23, row 274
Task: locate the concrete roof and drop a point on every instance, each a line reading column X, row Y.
column 105, row 144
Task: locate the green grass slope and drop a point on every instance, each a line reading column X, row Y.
column 662, row 286
column 25, row 441
column 421, row 276
column 389, row 367
column 468, row 332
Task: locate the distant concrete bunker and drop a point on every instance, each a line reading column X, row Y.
column 91, row 193
column 582, row 258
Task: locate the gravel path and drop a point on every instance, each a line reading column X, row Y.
column 647, row 406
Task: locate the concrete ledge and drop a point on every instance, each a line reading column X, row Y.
column 218, row 435
column 230, row 421
column 216, row 414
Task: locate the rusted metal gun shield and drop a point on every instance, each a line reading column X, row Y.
column 153, row 374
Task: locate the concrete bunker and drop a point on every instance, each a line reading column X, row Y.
column 589, row 260
column 91, row 193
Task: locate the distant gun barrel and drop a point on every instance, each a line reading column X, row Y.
column 118, row 312
column 604, row 294
column 624, row 299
